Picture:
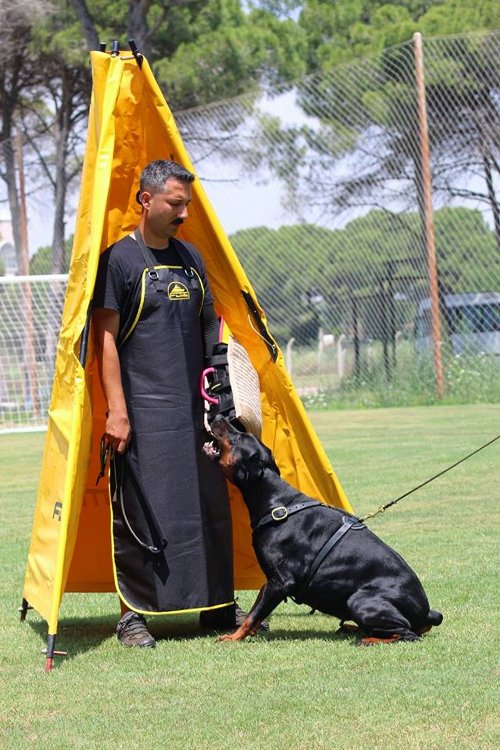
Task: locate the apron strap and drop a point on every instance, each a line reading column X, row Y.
column 150, row 263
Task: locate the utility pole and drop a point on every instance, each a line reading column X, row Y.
column 428, row 213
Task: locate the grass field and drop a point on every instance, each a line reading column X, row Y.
column 301, row 687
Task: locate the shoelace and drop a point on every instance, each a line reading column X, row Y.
column 133, row 624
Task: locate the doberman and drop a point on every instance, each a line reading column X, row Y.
column 316, row 554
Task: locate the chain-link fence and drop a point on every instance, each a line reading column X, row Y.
column 346, row 282
column 30, row 315
column 323, row 186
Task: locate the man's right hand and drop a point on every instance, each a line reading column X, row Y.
column 118, row 430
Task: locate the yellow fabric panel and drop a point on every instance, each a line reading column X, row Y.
column 130, row 124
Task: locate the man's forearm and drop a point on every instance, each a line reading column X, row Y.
column 117, row 422
column 111, row 377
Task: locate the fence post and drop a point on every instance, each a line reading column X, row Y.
column 321, row 346
column 341, row 356
column 428, row 213
column 30, row 355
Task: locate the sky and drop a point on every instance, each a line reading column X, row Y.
column 240, row 200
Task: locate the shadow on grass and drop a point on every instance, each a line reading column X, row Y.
column 78, row 635
column 280, row 634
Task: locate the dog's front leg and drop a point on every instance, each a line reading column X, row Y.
column 268, row 599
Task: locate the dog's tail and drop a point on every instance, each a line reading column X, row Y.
column 434, row 617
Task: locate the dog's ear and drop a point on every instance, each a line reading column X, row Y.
column 272, row 463
column 251, row 467
column 260, row 460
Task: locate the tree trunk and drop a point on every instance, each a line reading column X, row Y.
column 10, row 176
column 495, row 208
column 61, row 144
column 138, row 26
column 87, row 23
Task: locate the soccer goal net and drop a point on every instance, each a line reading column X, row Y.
column 30, row 317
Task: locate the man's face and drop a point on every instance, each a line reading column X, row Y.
column 166, row 210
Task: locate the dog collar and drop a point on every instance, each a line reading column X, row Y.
column 281, row 513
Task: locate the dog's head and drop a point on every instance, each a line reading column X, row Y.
column 241, row 456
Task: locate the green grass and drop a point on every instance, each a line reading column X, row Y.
column 301, row 687
column 470, row 379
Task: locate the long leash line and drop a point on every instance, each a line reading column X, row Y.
column 427, row 481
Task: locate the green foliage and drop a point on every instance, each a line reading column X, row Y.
column 41, row 261
column 338, row 32
column 368, row 108
column 205, row 50
column 226, row 52
column 59, row 38
column 462, row 239
column 288, row 284
column 471, row 379
column 317, row 272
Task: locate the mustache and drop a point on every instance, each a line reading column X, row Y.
column 178, row 222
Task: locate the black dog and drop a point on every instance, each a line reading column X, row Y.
column 316, row 554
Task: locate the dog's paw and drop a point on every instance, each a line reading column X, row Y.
column 348, row 627
column 367, row 641
column 231, row 637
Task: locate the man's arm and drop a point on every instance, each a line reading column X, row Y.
column 209, row 328
column 106, row 325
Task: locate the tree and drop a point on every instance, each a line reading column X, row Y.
column 44, row 92
column 286, row 266
column 41, row 261
column 199, row 49
column 367, row 279
column 373, row 120
column 52, row 118
column 18, row 68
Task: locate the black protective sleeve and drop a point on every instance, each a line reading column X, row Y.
column 209, row 328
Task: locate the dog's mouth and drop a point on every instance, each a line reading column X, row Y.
column 211, row 449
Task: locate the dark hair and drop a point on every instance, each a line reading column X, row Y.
column 156, row 173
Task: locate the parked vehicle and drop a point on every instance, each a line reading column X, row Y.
column 473, row 322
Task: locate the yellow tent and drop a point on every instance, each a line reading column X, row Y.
column 130, row 124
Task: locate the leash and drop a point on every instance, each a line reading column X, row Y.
column 106, row 452
column 427, row 481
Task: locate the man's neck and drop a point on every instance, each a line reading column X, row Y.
column 155, row 243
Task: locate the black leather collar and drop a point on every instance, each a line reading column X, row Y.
column 281, row 512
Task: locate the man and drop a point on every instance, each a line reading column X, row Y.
column 154, row 322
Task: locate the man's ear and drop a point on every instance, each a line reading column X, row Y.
column 144, row 198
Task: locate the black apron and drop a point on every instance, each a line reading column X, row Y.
column 172, row 545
